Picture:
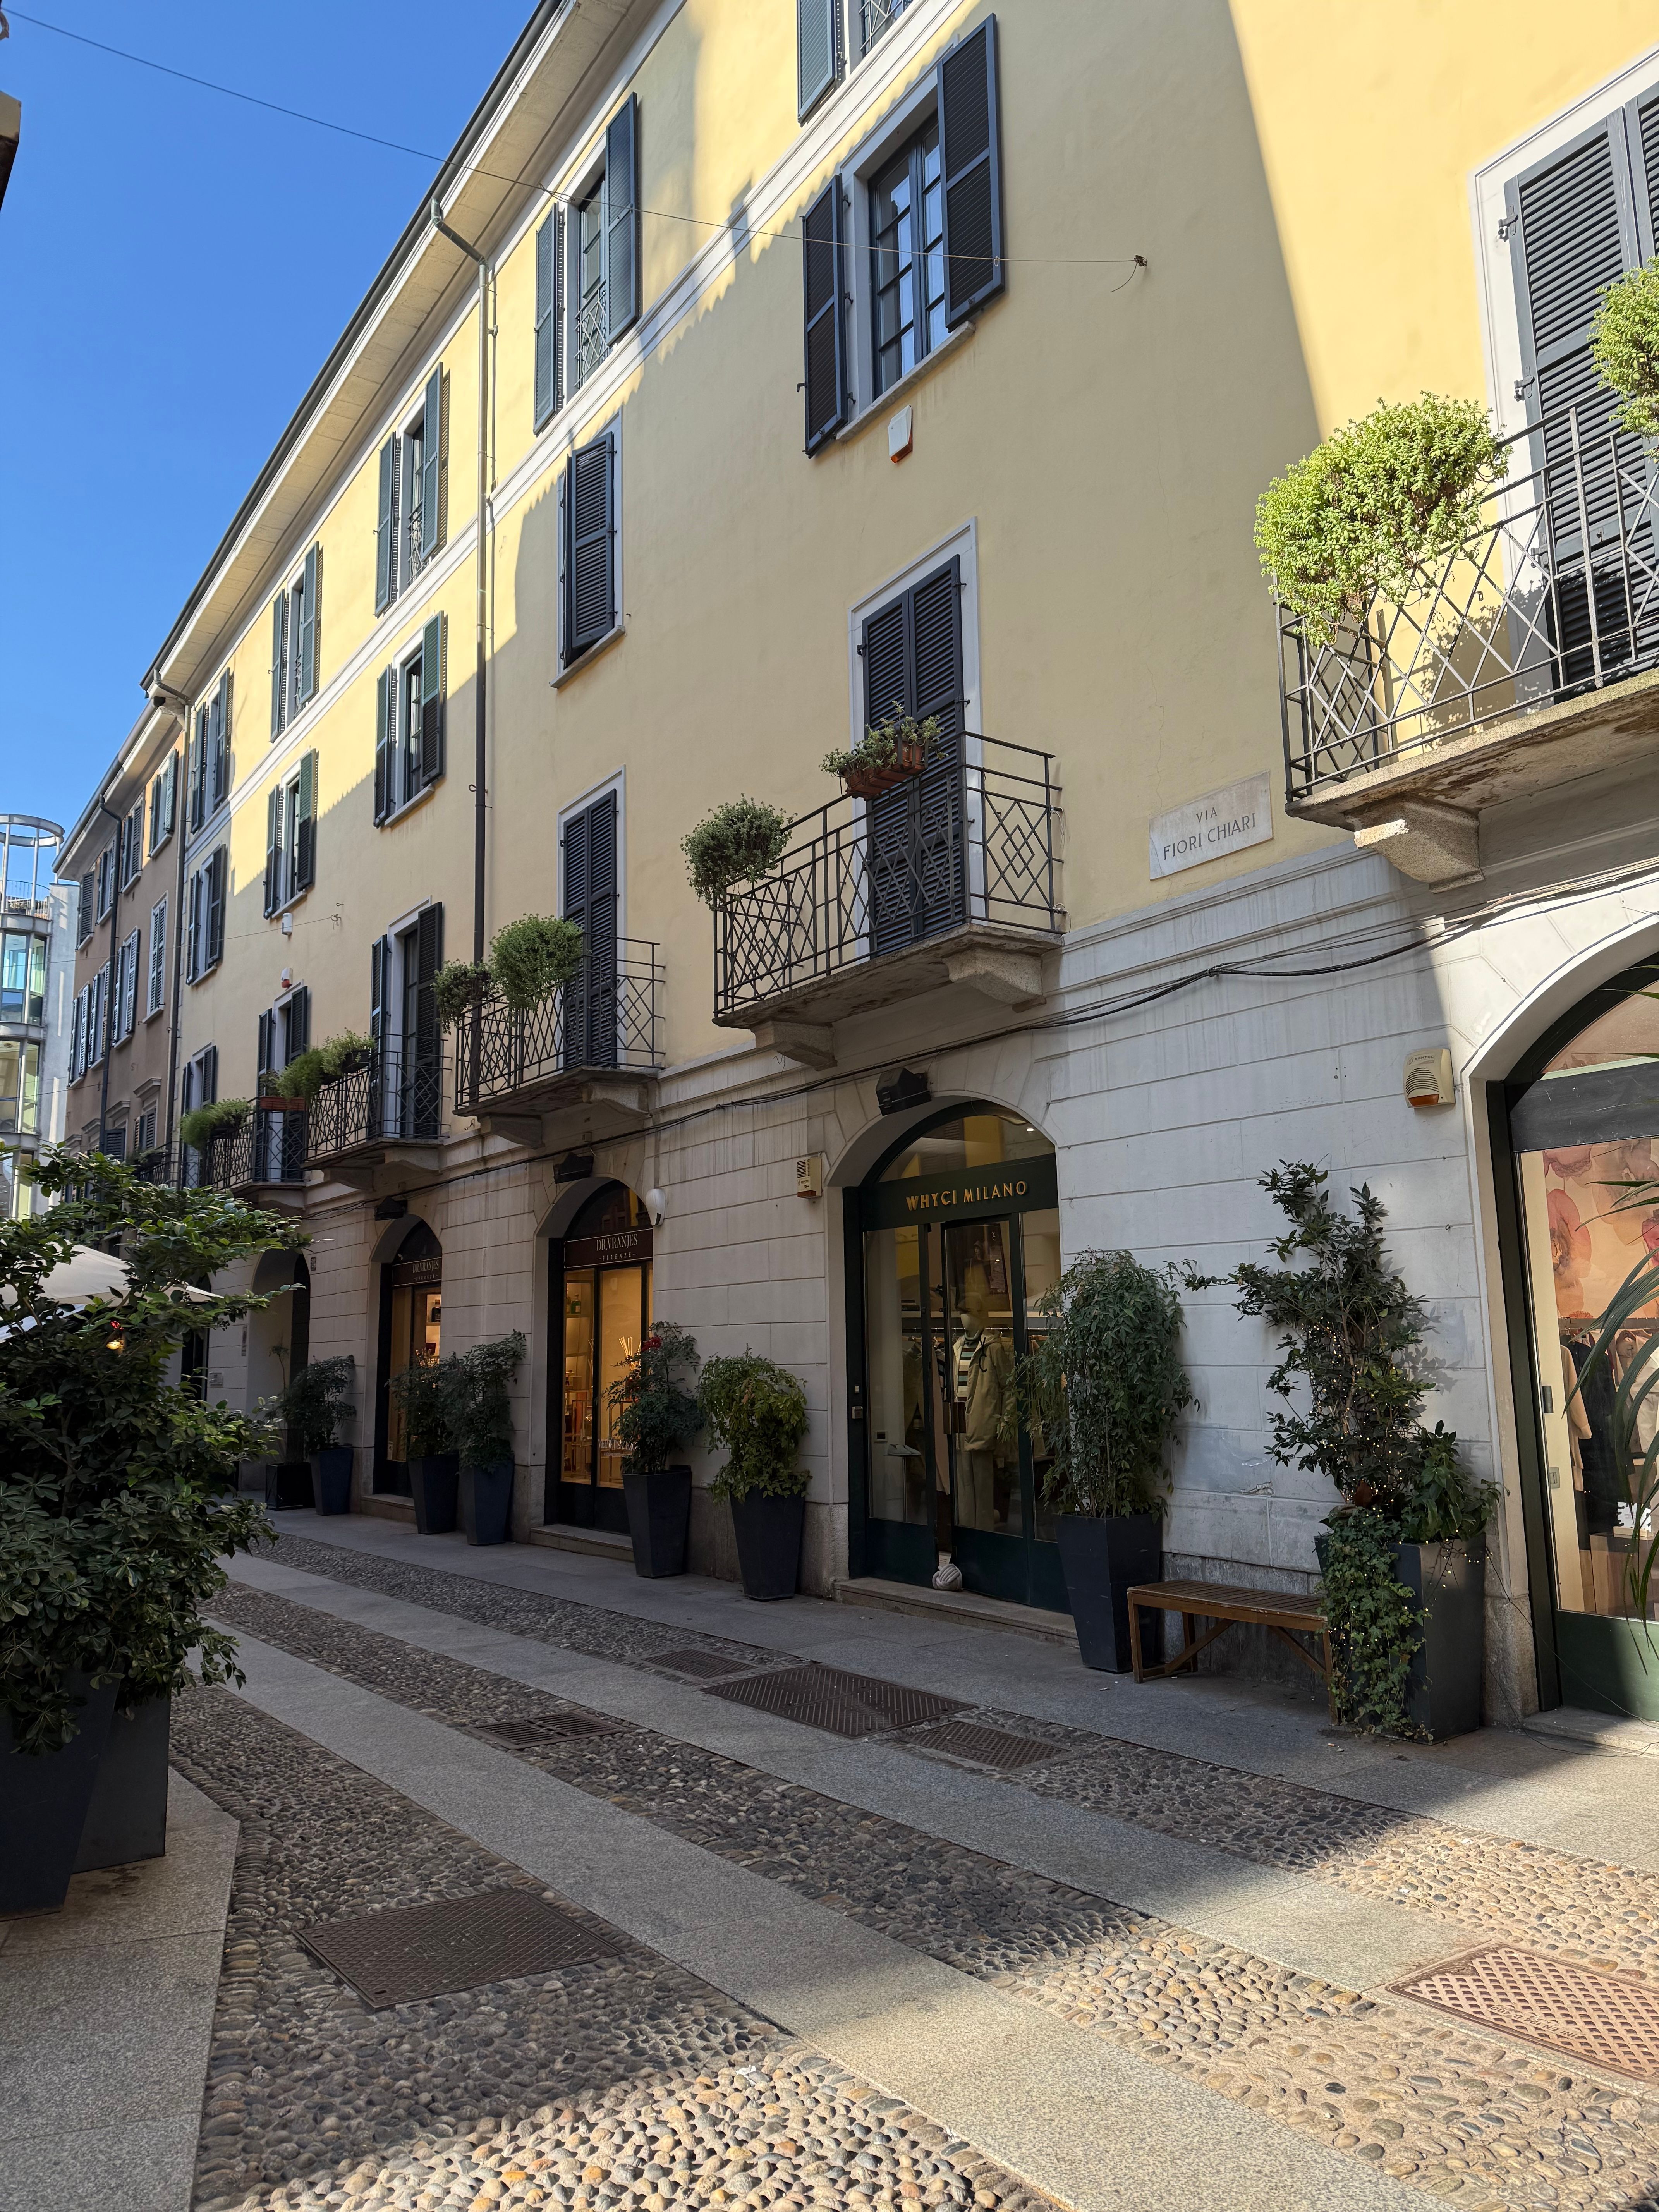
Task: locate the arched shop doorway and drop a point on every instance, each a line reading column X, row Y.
column 411, row 1329
column 601, row 1307
column 1580, row 1118
column 953, row 1238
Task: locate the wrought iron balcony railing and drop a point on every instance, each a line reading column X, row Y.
column 973, row 838
column 1554, row 595
column 609, row 1017
column 397, row 1096
column 267, row 1147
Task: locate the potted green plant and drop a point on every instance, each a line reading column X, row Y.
column 305, row 1075
column 657, row 1416
column 1104, row 1386
column 481, row 1412
column 756, row 1411
column 202, row 1124
column 891, row 751
column 739, row 841
column 1403, row 1555
column 424, row 1394
column 118, row 1500
column 457, row 987
column 314, row 1405
column 534, row 957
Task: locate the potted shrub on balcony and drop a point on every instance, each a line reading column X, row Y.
column 1403, row 1555
column 119, row 1500
column 481, row 1414
column 307, row 1072
column 457, row 987
column 656, row 1416
column 1104, row 1387
column 424, row 1394
column 204, row 1124
column 740, row 840
column 532, row 957
column 891, row 752
column 315, row 1405
column 757, row 1410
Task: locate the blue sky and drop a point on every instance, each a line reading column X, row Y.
column 174, row 268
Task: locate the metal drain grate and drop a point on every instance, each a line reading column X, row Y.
column 414, row 1950
column 841, row 1704
column 1607, row 2020
column 986, row 1747
column 538, row 1729
column 707, row 1666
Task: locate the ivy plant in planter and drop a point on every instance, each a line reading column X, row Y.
column 740, row 840
column 657, row 1416
column 534, row 957
column 308, row 1071
column 889, row 752
column 315, row 1406
column 1104, row 1387
column 757, row 1410
column 1403, row 1555
column 1376, row 508
column 1624, row 347
column 457, row 987
column 202, row 1124
column 481, row 1421
column 424, row 1394
column 118, row 1493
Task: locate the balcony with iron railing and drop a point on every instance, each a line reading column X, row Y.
column 951, row 876
column 1526, row 656
column 595, row 1042
column 389, row 1108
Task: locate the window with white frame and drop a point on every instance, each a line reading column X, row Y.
column 588, row 268
column 409, row 724
column 413, row 516
column 145, row 1141
column 291, row 835
column 156, row 995
column 294, row 633
column 106, row 882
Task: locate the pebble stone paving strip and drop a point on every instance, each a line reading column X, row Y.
column 1463, row 2115
column 663, row 2092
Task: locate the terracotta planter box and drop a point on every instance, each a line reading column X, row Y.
column 872, row 782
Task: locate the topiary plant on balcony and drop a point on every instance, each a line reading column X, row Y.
column 1624, row 347
column 457, row 987
column 202, row 1124
column 534, row 957
column 1375, row 507
column 739, row 841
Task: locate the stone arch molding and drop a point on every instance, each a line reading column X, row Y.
column 859, row 1153
column 388, row 1243
column 1579, row 970
column 573, row 1196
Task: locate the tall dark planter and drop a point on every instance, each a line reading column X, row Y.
column 768, row 1531
column 659, row 1519
column 331, row 1478
column 487, row 1502
column 1101, row 1559
column 127, row 1819
column 287, row 1483
column 434, row 1481
column 44, row 1803
column 1449, row 1583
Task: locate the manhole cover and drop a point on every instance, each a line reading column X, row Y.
column 457, row 1943
column 707, row 1666
column 986, row 1747
column 830, row 1699
column 1607, row 2020
column 538, row 1729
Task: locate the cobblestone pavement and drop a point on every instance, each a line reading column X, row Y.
column 1465, row 2116
column 663, row 2092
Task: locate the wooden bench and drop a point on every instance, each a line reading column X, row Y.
column 1228, row 1607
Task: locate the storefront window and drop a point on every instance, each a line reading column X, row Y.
column 414, row 1292
column 602, row 1274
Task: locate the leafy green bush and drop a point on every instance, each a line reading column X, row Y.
column 424, row 1393
column 1374, row 507
column 117, row 1487
column 307, row 1072
column 656, row 1414
column 457, row 987
column 1375, row 1625
column 202, row 1124
column 316, row 1403
column 1624, row 347
column 1104, row 1385
column 756, row 1411
column 532, row 957
column 886, row 743
column 737, row 842
column 480, row 1407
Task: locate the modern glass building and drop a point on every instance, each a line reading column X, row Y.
column 36, row 944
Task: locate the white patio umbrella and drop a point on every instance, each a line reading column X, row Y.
column 87, row 1273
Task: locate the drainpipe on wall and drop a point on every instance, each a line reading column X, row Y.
column 172, row 703
column 115, row 941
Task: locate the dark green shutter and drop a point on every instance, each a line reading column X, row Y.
column 192, row 926
column 424, row 1072
column 379, row 991
column 590, row 537
column 307, row 686
column 267, row 1050
column 296, row 1024
column 207, row 1062
column 273, row 849
column 824, row 279
column 198, row 769
column 432, row 701
column 385, row 530
column 912, row 653
column 818, row 51
column 589, row 898
column 431, row 466
column 216, row 868
column 970, row 170
column 172, row 793
column 622, row 219
column 278, row 663
column 305, row 828
column 548, row 275
column 219, row 742
column 386, row 782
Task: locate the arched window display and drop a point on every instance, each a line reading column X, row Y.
column 959, row 1233
column 601, row 1304
column 411, row 1329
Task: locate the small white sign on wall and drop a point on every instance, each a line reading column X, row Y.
column 1209, row 828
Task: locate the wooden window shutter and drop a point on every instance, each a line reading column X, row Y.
column 589, row 898
column 84, row 924
column 273, row 848
column 590, row 537
column 385, row 530
column 221, row 740
column 970, row 168
column 912, row 651
column 385, row 745
column 296, row 1024
column 310, row 586
column 379, row 990
column 432, row 701
column 207, row 1062
column 198, row 769
column 155, row 793
column 549, row 280
column 305, row 827
column 622, row 219
column 217, row 870
column 423, row 1063
column 267, row 1052
column 431, row 466
column 278, row 663
column 192, row 930
column 78, row 1036
column 172, row 793
column 158, row 954
column 823, row 281
column 818, row 51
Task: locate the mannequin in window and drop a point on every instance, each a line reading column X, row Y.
column 981, row 1363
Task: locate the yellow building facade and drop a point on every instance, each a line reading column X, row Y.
column 845, row 355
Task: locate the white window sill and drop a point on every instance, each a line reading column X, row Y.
column 153, row 1011
column 588, row 656
column 389, row 821
column 896, row 393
